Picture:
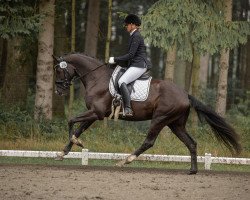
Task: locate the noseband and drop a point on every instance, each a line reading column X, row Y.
column 66, row 82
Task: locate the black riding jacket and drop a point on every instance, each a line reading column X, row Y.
column 137, row 55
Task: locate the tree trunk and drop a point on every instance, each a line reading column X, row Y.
column 195, row 83
column 91, row 38
column 92, row 28
column 15, row 87
column 195, row 75
column 3, row 61
column 155, row 54
column 61, row 45
column 204, row 63
column 179, row 73
column 224, row 65
column 73, row 47
column 44, row 74
column 170, row 64
column 188, row 75
column 247, row 74
column 107, row 47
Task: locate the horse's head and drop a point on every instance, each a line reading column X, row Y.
column 64, row 73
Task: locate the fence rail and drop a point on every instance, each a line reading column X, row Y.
column 85, row 155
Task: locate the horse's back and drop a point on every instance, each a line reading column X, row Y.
column 169, row 95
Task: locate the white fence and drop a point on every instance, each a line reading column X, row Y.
column 85, row 155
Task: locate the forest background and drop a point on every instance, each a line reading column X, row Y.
column 202, row 46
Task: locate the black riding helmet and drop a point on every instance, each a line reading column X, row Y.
column 132, row 19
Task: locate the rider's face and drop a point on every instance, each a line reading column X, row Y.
column 130, row 27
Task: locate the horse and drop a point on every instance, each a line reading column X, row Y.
column 166, row 105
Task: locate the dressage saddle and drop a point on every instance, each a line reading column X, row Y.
column 130, row 86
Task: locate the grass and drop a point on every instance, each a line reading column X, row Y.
column 111, row 163
column 18, row 131
column 121, row 138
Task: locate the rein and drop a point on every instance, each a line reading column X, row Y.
column 80, row 76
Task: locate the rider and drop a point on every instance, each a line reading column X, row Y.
column 136, row 58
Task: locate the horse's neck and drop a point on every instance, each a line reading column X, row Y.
column 97, row 79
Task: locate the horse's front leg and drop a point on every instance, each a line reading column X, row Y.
column 74, row 140
column 86, row 120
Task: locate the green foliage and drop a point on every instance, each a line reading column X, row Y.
column 16, row 123
column 193, row 25
column 18, row 19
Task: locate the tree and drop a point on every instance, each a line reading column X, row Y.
column 15, row 92
column 195, row 26
column 107, row 46
column 3, row 60
column 247, row 75
column 44, row 74
column 73, row 47
column 61, row 46
column 92, row 28
column 19, row 25
column 91, row 37
column 224, row 65
column 204, row 63
column 170, row 64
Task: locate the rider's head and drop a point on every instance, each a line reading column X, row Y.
column 132, row 22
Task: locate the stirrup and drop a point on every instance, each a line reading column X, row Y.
column 128, row 112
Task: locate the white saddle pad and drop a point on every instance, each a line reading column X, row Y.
column 140, row 88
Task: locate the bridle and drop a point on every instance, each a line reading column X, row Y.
column 68, row 78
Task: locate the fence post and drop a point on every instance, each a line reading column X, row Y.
column 208, row 161
column 85, row 156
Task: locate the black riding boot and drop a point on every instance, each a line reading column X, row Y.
column 126, row 100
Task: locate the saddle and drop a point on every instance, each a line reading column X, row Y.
column 139, row 89
column 144, row 76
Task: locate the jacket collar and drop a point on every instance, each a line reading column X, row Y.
column 132, row 33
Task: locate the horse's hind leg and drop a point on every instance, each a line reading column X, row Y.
column 181, row 133
column 155, row 128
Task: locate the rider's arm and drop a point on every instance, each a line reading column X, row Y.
column 132, row 50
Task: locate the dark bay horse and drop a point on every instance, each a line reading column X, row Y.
column 166, row 105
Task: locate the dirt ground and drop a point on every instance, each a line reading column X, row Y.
column 83, row 183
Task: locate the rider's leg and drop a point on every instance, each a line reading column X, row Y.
column 129, row 76
column 126, row 100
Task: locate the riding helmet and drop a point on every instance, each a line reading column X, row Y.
column 132, row 19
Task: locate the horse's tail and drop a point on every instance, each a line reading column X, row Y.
column 223, row 131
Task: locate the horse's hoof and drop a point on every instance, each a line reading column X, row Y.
column 121, row 163
column 192, row 172
column 80, row 144
column 77, row 141
column 59, row 156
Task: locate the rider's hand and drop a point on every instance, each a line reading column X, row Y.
column 111, row 60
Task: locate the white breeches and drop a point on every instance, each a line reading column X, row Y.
column 131, row 74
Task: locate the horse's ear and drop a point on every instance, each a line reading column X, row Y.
column 55, row 58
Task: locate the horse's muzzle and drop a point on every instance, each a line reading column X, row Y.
column 60, row 93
